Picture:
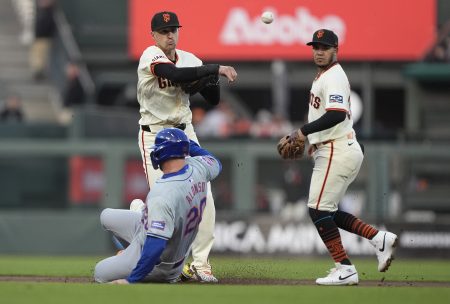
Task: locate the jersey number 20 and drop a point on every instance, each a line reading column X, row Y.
column 194, row 217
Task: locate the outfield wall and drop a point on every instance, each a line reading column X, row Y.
column 401, row 186
column 78, row 232
column 396, row 180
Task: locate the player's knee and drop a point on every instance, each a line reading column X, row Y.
column 316, row 214
column 99, row 274
column 104, row 217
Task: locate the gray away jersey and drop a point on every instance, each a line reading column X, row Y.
column 175, row 206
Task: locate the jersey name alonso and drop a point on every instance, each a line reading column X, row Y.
column 161, row 101
column 330, row 91
column 175, row 205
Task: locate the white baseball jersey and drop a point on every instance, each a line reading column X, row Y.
column 161, row 101
column 337, row 163
column 330, row 91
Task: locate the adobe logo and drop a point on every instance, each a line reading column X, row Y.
column 242, row 29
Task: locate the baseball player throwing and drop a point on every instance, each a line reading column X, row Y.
column 162, row 72
column 337, row 159
column 161, row 235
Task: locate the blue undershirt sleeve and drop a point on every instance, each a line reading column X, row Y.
column 196, row 150
column 153, row 248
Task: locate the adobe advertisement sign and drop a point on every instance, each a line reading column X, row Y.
column 232, row 29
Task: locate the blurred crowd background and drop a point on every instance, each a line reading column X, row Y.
column 68, row 109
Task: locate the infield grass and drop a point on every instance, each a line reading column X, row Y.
column 245, row 268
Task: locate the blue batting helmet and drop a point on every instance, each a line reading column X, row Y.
column 169, row 143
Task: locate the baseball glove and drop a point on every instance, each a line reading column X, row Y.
column 292, row 146
column 198, row 85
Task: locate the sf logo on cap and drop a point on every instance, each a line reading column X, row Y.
column 166, row 17
column 320, row 34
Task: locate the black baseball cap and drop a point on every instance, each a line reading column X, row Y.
column 324, row 36
column 164, row 19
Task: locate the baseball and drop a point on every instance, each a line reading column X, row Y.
column 267, row 17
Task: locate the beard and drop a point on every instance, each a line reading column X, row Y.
column 323, row 65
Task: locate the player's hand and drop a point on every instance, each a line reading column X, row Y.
column 229, row 72
column 119, row 282
column 297, row 135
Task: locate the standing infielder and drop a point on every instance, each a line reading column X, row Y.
column 160, row 236
column 337, row 159
column 164, row 76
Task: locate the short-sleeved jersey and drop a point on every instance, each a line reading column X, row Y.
column 330, row 91
column 161, row 101
column 175, row 206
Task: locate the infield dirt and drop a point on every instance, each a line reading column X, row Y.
column 232, row 281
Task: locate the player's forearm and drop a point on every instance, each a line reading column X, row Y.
column 326, row 121
column 196, row 150
column 188, row 74
column 151, row 252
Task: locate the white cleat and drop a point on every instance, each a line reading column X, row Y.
column 384, row 243
column 203, row 276
column 137, row 205
column 340, row 275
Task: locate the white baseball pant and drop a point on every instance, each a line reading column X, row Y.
column 204, row 240
column 336, row 165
